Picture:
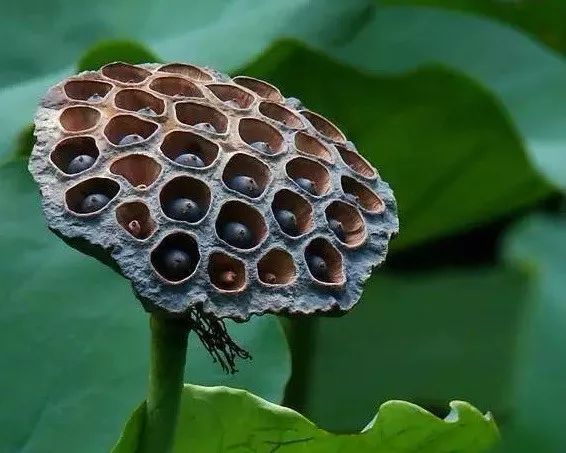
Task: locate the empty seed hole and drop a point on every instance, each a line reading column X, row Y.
column 185, row 198
column 281, row 114
column 240, row 225
column 125, row 73
column 324, row 126
column 309, row 175
column 140, row 170
column 176, row 87
column 307, row 144
column 247, row 175
column 259, row 87
column 346, row 223
column 187, row 70
column 136, row 219
column 177, row 145
column 87, row 90
column 226, row 273
column 324, row 262
column 176, row 257
column 301, row 221
column 260, row 136
column 123, row 130
column 362, row 195
column 276, row 267
column 139, row 101
column 231, row 95
column 356, row 162
column 79, row 118
column 71, row 150
column 201, row 116
column 92, row 195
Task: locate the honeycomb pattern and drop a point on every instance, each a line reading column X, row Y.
column 118, row 149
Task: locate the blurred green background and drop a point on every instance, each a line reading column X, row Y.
column 461, row 106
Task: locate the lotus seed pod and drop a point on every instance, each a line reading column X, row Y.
column 301, row 239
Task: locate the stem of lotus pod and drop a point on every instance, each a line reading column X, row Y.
column 166, row 371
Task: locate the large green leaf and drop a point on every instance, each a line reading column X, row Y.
column 424, row 337
column 542, row 19
column 539, row 246
column 438, row 138
column 74, row 341
column 221, row 419
column 528, row 79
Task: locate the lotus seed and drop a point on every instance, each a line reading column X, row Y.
column 176, row 263
column 80, row 163
column 237, row 234
column 338, row 228
column 189, row 160
column 95, row 98
column 183, row 209
column 233, row 104
column 206, row 127
column 270, row 278
column 262, row 147
column 147, row 111
column 130, row 139
column 228, row 277
column 306, row 184
column 318, row 267
column 94, row 202
column 134, row 227
column 246, row 185
column 352, row 198
column 287, row 221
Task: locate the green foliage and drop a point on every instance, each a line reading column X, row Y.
column 115, row 50
column 539, row 246
column 218, row 419
column 528, row 80
column 543, row 20
column 436, row 345
column 75, row 341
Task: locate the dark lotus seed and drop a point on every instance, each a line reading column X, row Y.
column 130, row 139
column 94, row 202
column 287, row 221
column 189, row 160
column 80, row 163
column 184, row 209
column 147, row 111
column 246, row 185
column 237, row 234
column 262, row 147
column 206, row 127
column 338, row 229
column 318, row 267
column 176, row 263
column 95, row 98
column 306, row 184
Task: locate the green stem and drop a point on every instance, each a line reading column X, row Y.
column 166, row 370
